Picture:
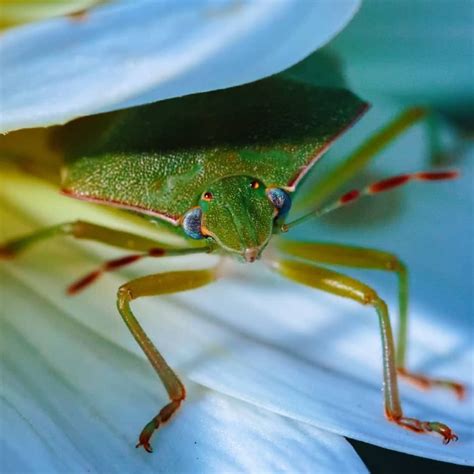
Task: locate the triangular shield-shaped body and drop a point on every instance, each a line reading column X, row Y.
column 158, row 159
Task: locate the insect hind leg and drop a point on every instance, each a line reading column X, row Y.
column 347, row 287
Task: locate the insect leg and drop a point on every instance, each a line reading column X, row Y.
column 359, row 158
column 347, row 287
column 370, row 190
column 86, row 230
column 80, row 230
column 356, row 257
column 152, row 285
column 118, row 263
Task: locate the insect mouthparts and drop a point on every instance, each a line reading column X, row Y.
column 250, row 254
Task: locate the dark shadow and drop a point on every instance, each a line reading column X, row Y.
column 384, row 461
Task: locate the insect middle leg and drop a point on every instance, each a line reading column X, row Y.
column 80, row 230
column 152, row 285
column 356, row 257
column 342, row 285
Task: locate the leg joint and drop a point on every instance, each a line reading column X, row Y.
column 179, row 397
column 371, row 297
column 394, row 264
column 76, row 228
column 124, row 294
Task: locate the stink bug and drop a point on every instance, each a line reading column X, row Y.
column 221, row 169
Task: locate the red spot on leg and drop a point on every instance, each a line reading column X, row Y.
column 109, row 266
column 156, row 252
column 350, row 196
column 389, row 183
column 121, row 262
column 83, row 282
column 435, row 176
column 6, row 252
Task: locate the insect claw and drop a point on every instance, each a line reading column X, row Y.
column 146, row 446
column 443, row 430
column 448, row 440
column 145, row 435
column 418, row 426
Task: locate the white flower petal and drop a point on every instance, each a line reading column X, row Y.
column 297, row 352
column 71, row 401
column 131, row 53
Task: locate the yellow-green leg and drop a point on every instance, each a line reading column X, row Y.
column 358, row 159
column 116, row 238
column 356, row 257
column 153, row 285
column 347, row 287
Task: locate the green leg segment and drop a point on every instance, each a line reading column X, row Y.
column 147, row 286
column 356, row 257
column 152, row 285
column 341, row 285
column 362, row 155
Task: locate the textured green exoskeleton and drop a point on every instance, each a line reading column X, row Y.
column 221, row 168
column 159, row 159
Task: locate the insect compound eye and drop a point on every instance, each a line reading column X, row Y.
column 255, row 184
column 207, row 196
column 192, row 223
column 280, row 199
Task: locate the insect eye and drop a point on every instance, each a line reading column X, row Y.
column 207, row 196
column 280, row 199
column 255, row 184
column 192, row 223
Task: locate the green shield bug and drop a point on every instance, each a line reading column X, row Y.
column 221, row 169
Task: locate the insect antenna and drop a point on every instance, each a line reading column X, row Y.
column 108, row 266
column 118, row 263
column 374, row 188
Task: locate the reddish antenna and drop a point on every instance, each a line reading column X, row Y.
column 374, row 188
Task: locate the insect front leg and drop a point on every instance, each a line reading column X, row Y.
column 356, row 257
column 347, row 287
column 152, row 285
column 88, row 231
